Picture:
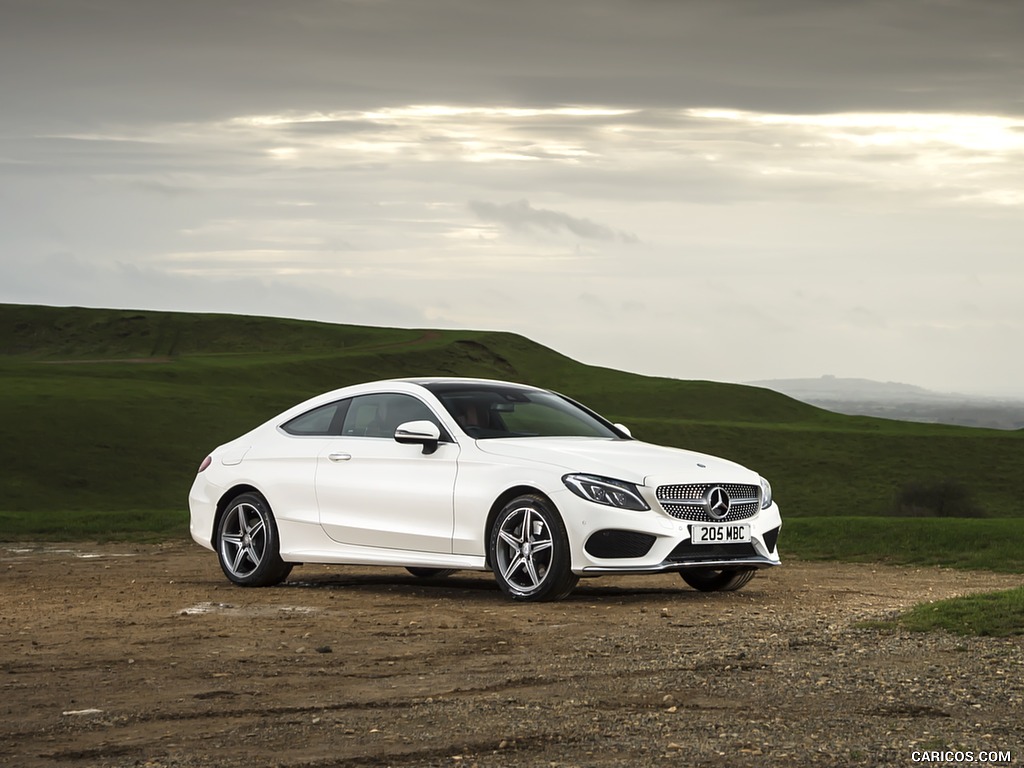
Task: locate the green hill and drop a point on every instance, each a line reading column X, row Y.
column 108, row 413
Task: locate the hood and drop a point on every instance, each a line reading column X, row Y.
column 630, row 460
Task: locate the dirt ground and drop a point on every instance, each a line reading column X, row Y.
column 126, row 655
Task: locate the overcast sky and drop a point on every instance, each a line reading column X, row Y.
column 731, row 190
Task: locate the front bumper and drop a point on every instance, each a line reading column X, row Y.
column 606, row 540
column 736, row 562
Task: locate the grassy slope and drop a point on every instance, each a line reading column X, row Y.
column 119, row 436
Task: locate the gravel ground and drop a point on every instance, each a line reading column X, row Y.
column 121, row 655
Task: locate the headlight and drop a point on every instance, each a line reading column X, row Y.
column 603, row 490
column 766, row 494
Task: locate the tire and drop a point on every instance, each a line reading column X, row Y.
column 718, row 580
column 247, row 543
column 430, row 573
column 528, row 550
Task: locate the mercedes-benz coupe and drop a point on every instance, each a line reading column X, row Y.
column 441, row 474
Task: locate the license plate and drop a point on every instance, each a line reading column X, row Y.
column 720, row 534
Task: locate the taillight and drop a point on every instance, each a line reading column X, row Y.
column 206, row 462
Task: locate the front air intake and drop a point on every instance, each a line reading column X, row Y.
column 613, row 544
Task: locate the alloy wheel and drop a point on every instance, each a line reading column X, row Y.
column 243, row 539
column 525, row 548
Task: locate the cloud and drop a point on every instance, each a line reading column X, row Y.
column 140, row 58
column 520, row 215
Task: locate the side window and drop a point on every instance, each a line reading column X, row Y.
column 320, row 422
column 380, row 415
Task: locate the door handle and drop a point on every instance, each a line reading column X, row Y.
column 339, row 456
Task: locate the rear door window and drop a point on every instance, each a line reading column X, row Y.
column 320, row 422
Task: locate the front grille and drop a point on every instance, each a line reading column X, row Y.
column 686, row 502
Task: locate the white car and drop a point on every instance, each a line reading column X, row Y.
column 442, row 474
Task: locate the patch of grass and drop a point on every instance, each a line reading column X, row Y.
column 95, row 525
column 979, row 544
column 993, row 614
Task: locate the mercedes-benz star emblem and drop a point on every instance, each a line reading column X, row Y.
column 718, row 502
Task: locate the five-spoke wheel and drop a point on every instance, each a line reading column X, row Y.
column 529, row 551
column 247, row 543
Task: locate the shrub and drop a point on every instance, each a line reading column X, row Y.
column 936, row 498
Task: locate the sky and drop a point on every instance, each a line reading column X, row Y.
column 734, row 190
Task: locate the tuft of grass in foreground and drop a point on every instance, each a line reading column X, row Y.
column 992, row 614
column 978, row 544
column 993, row 545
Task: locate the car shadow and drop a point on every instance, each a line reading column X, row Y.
column 469, row 586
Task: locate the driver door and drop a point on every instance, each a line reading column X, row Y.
column 375, row 492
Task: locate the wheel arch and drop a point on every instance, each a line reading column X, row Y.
column 503, row 499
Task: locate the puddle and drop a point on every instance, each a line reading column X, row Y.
column 24, row 552
column 200, row 608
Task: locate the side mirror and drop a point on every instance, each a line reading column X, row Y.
column 623, row 429
column 423, row 433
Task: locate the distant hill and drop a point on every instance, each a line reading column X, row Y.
column 844, row 388
column 901, row 401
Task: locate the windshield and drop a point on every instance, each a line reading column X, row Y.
column 489, row 411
